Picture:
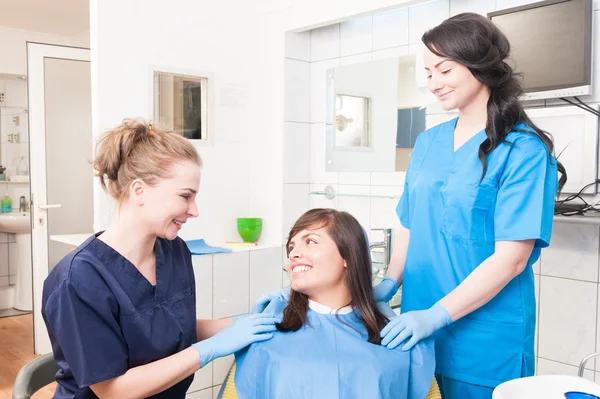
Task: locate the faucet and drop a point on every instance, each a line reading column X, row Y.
column 386, row 244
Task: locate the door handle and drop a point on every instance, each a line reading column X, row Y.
column 44, row 206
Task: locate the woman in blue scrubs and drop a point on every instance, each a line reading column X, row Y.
column 121, row 309
column 476, row 210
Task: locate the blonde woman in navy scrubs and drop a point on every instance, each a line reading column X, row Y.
column 121, row 308
column 476, row 211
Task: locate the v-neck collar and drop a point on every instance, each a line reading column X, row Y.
column 476, row 137
column 113, row 256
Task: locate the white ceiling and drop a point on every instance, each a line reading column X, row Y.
column 56, row 17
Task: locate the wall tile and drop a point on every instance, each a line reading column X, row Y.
column 567, row 319
column 390, row 53
column 549, row 367
column 4, row 238
column 297, row 91
column 573, row 252
column 216, row 391
column 388, row 178
column 537, row 265
column 390, row 29
column 426, row 16
column 4, row 281
column 202, row 379
column 356, row 178
column 536, row 281
column 265, row 272
column 479, row 6
column 231, row 284
column 221, row 368
column 356, row 36
column 325, row 43
column 204, row 394
column 597, row 360
column 203, row 274
column 297, row 46
column 383, row 210
column 318, row 88
column 295, row 203
column 356, row 59
column 285, row 277
column 359, row 207
column 502, row 4
column 318, row 155
column 296, row 152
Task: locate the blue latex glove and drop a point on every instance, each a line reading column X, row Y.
column 417, row 325
column 385, row 290
column 262, row 302
column 245, row 331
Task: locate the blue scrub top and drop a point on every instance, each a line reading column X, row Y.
column 104, row 317
column 454, row 222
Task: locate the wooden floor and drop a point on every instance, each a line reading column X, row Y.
column 16, row 349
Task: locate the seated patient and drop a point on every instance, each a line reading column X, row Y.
column 328, row 344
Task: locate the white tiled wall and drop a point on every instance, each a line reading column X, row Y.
column 227, row 285
column 567, row 277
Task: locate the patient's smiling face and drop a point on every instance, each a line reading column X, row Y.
column 314, row 263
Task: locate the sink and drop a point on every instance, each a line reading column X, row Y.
column 15, row 222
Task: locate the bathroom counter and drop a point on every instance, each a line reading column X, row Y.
column 76, row 240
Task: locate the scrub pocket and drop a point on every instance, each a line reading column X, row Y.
column 466, row 210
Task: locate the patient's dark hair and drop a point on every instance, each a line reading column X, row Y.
column 351, row 242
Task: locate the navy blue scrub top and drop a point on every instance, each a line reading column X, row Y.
column 104, row 317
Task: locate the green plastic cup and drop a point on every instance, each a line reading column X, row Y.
column 249, row 228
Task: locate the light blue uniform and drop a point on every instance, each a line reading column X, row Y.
column 454, row 222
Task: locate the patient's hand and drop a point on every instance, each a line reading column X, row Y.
column 262, row 302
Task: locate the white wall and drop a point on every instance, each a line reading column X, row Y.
column 14, row 48
column 245, row 49
column 239, row 170
column 567, row 277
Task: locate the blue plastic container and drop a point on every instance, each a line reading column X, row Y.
column 580, row 395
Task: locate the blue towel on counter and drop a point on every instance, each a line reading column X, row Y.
column 200, row 247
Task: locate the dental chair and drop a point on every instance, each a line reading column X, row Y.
column 228, row 388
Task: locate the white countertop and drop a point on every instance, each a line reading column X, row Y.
column 71, row 239
column 76, row 240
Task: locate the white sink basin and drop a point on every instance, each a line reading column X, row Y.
column 15, row 222
column 544, row 386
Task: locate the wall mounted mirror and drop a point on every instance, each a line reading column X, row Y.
column 183, row 102
column 374, row 114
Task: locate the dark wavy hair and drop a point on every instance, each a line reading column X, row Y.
column 351, row 242
column 475, row 42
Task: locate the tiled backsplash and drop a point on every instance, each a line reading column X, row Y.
column 227, row 285
column 567, row 277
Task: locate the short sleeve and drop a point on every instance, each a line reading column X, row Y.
column 83, row 322
column 526, row 194
column 403, row 207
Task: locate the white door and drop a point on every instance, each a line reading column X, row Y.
column 60, row 129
